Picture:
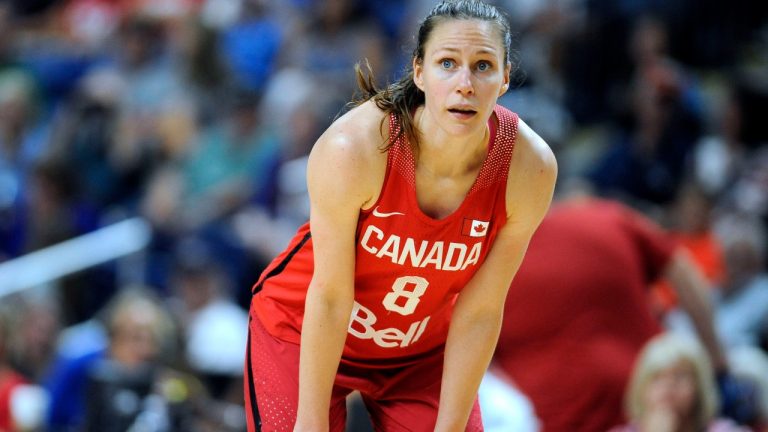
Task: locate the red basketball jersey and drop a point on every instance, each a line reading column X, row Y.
column 409, row 267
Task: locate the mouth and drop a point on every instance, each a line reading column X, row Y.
column 463, row 112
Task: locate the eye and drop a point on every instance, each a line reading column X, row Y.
column 483, row 66
column 446, row 63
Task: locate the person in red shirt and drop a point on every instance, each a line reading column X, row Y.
column 423, row 199
column 578, row 312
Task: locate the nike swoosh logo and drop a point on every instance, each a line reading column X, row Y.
column 377, row 213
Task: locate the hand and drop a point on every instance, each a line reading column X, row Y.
column 659, row 419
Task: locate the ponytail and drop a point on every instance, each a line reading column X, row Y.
column 400, row 98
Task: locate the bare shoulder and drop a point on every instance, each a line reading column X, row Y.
column 347, row 157
column 532, row 156
column 366, row 122
column 532, row 176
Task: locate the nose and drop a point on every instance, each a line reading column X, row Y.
column 464, row 85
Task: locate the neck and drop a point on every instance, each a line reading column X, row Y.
column 443, row 154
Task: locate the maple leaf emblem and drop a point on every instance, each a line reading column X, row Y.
column 474, row 227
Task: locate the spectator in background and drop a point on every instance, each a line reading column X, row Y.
column 645, row 161
column 748, row 195
column 337, row 34
column 132, row 387
column 153, row 117
column 56, row 214
column 22, row 138
column 690, row 222
column 214, row 326
column 720, row 154
column 251, row 45
column 84, row 136
column 80, row 347
column 267, row 225
column 36, row 324
column 196, row 47
column 570, row 336
column 742, row 302
column 544, row 27
column 29, row 325
column 22, row 144
column 229, row 164
column 672, row 389
column 7, row 29
column 10, row 379
column 126, row 347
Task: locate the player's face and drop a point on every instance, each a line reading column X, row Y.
column 462, row 74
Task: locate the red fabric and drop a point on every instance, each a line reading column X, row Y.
column 9, row 380
column 401, row 399
column 409, row 266
column 578, row 312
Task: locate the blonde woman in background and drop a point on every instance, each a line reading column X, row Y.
column 672, row 389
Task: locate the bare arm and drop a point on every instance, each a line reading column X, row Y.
column 693, row 293
column 340, row 183
column 477, row 316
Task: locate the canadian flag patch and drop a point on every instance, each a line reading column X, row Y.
column 474, row 228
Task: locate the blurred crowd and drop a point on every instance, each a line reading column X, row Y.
column 198, row 115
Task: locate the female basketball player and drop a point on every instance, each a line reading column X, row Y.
column 423, row 200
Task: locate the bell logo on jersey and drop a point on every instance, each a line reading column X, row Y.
column 474, row 228
column 361, row 326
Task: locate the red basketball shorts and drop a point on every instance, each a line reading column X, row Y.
column 402, row 399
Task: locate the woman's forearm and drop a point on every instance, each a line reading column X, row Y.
column 322, row 340
column 468, row 352
column 693, row 290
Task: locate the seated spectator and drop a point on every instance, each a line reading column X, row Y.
column 22, row 143
column 672, row 389
column 691, row 223
column 131, row 388
column 214, row 326
column 229, row 163
column 22, row 402
column 741, row 308
column 36, row 323
column 645, row 161
column 10, row 379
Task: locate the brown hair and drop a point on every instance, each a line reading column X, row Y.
column 402, row 96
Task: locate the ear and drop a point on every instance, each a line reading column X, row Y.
column 505, row 85
column 503, row 89
column 418, row 73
